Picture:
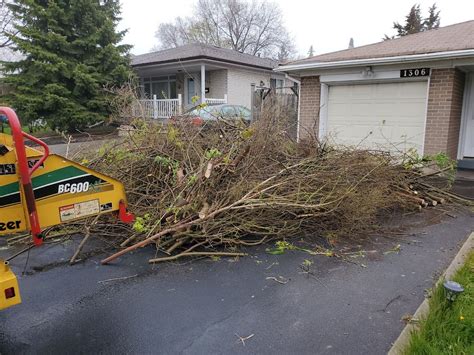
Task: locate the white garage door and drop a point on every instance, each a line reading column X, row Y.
column 379, row 116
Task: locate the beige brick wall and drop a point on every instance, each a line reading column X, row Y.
column 309, row 106
column 443, row 119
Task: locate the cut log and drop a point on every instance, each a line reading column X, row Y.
column 439, row 199
column 415, row 199
column 431, row 201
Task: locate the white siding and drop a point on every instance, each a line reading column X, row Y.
column 239, row 82
column 216, row 81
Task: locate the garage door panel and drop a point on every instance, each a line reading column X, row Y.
column 381, row 116
column 385, row 108
column 413, row 90
column 379, row 139
column 376, row 140
column 363, row 93
column 383, row 92
column 379, row 110
column 359, row 110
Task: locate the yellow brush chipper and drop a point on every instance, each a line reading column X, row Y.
column 40, row 190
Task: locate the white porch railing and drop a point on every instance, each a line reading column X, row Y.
column 210, row 101
column 165, row 108
column 158, row 108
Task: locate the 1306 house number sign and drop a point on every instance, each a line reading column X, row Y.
column 413, row 73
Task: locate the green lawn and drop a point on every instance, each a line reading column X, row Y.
column 449, row 327
column 36, row 132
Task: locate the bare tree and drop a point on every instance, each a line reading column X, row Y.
column 7, row 33
column 173, row 34
column 6, row 24
column 286, row 50
column 254, row 27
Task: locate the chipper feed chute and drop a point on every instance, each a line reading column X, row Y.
column 39, row 190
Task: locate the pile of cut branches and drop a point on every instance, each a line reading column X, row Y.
column 207, row 190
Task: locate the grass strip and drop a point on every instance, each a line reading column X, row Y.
column 449, row 326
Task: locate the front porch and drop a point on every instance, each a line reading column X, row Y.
column 165, row 108
column 171, row 90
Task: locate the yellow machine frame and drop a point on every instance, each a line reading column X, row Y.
column 9, row 291
column 39, row 190
column 64, row 191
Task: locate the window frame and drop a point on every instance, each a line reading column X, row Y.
column 149, row 81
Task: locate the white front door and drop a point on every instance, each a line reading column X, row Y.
column 468, row 117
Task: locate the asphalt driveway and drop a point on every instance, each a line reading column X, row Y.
column 203, row 307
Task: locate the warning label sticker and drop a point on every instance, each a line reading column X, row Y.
column 79, row 210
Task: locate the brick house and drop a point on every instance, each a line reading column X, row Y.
column 215, row 75
column 411, row 92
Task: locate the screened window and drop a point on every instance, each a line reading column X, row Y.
column 173, row 93
column 164, row 87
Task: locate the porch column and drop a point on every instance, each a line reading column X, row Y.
column 203, row 83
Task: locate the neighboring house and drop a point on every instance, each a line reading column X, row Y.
column 206, row 73
column 415, row 91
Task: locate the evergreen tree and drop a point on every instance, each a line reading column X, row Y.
column 351, row 43
column 414, row 23
column 311, row 51
column 70, row 50
column 433, row 20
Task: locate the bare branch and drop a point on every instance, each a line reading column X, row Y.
column 6, row 25
column 250, row 27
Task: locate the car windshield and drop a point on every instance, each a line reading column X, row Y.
column 205, row 113
column 243, row 112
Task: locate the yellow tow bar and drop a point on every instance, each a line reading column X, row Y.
column 9, row 291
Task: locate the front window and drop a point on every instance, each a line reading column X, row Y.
column 173, row 94
column 163, row 87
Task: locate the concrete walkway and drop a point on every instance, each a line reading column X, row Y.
column 203, row 307
column 76, row 149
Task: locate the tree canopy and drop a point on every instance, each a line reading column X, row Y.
column 414, row 22
column 254, row 27
column 433, row 20
column 70, row 49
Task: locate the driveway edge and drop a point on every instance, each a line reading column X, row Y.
column 404, row 338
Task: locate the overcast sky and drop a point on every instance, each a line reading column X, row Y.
column 327, row 25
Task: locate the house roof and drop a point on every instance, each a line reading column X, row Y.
column 455, row 37
column 202, row 51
